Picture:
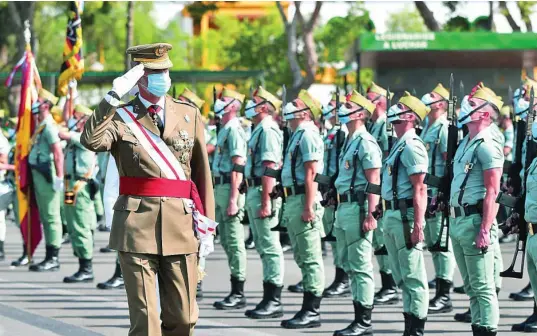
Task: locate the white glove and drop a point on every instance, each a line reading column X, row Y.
column 123, row 84
column 57, row 183
column 206, row 246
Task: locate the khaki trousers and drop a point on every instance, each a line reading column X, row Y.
column 177, row 280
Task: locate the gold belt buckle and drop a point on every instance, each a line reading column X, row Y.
column 530, row 229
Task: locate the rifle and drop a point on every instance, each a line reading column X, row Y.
column 217, row 120
column 517, row 203
column 444, row 183
column 513, row 176
column 277, row 192
column 330, row 196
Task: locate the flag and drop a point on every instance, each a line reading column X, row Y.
column 73, row 63
column 30, row 224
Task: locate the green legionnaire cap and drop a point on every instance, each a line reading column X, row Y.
column 152, row 56
column 415, row 104
column 57, row 114
column 505, row 111
column 442, row 91
column 357, row 98
column 342, row 98
column 379, row 90
column 193, row 98
column 83, row 109
column 313, row 104
column 482, row 92
column 47, row 96
column 262, row 93
column 232, row 94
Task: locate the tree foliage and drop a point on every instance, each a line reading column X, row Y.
column 408, row 20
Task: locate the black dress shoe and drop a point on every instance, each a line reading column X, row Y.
column 23, row 260
column 309, row 316
column 387, row 295
column 235, row 299
column 298, row 288
column 270, row 306
column 106, row 249
column 116, row 281
column 526, row 294
column 340, row 287
column 84, row 273
column 103, row 228
column 51, row 262
column 361, row 324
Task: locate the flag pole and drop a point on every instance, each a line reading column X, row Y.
column 27, row 37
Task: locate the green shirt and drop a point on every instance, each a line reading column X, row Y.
column 330, row 149
column 369, row 156
column 412, row 156
column 41, row 150
column 231, row 142
column 378, row 130
column 435, row 138
column 310, row 148
column 509, row 135
column 489, row 155
column 265, row 144
column 531, row 194
column 78, row 158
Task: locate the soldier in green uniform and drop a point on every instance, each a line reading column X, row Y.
column 302, row 214
column 80, row 192
column 359, row 163
column 435, row 135
column 265, row 150
column 230, row 153
column 387, row 294
column 477, row 170
column 405, row 197
column 46, row 163
column 332, row 149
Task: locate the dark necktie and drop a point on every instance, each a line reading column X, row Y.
column 153, row 112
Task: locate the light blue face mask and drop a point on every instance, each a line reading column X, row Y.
column 328, row 111
column 71, row 123
column 521, row 108
column 35, row 107
column 344, row 114
column 428, row 99
column 290, row 111
column 249, row 110
column 220, row 107
column 395, row 112
column 159, row 84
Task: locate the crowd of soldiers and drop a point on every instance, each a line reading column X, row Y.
column 357, row 173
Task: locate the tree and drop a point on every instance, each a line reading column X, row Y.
column 427, row 15
column 407, row 20
column 130, row 31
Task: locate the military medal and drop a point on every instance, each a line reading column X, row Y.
column 187, row 118
column 183, row 134
column 136, row 156
column 184, row 157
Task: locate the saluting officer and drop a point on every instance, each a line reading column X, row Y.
column 435, row 137
column 359, row 163
column 80, row 191
column 46, row 163
column 302, row 214
column 387, row 295
column 332, row 150
column 265, row 150
column 230, row 153
column 405, row 197
column 477, row 169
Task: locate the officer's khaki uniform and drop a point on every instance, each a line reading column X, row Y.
column 155, row 235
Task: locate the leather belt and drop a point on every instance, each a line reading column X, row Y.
column 254, row 182
column 217, row 180
column 465, row 211
column 391, row 205
column 357, row 197
column 290, row 191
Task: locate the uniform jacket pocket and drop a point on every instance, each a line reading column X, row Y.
column 127, row 203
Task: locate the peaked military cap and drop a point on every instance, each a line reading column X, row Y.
column 193, row 98
column 415, row 104
column 152, row 56
column 48, row 96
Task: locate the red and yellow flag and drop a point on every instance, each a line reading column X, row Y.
column 73, row 62
column 28, row 214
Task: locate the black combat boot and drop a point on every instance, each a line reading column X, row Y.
column 361, row 324
column 464, row 317
column 2, row 254
column 531, row 322
column 526, row 294
column 270, row 306
column 340, row 287
column 387, row 295
column 235, row 299
column 475, row 330
column 116, row 281
column 84, row 273
column 416, row 326
column 51, row 262
column 309, row 315
column 106, row 249
column 459, row 290
column 484, row 331
column 298, row 288
column 199, row 291
column 432, row 284
column 441, row 303
column 23, row 259
column 407, row 324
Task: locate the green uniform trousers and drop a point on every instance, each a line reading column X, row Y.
column 444, row 262
column 408, row 265
column 306, row 242
column 329, row 219
column 267, row 243
column 498, row 264
column 378, row 242
column 98, row 203
column 355, row 250
column 531, row 252
column 81, row 221
column 477, row 269
column 231, row 231
column 48, row 203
